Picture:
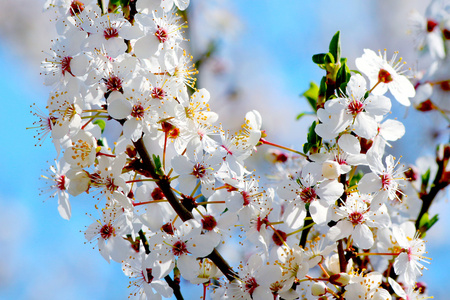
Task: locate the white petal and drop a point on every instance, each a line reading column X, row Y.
column 349, row 144
column 362, row 236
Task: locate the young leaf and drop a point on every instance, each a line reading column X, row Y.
column 335, row 46
column 319, row 58
column 311, row 95
column 101, row 123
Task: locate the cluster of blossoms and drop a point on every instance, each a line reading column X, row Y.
column 432, row 37
column 131, row 128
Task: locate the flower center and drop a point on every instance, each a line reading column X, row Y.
column 65, row 65
column 106, row 231
column 308, row 195
column 149, row 275
column 279, row 237
column 445, row 85
column 260, row 222
column 168, row 228
column 251, row 285
column 113, row 83
column 157, row 194
column 76, row 7
column 61, row 183
column 209, row 223
column 161, row 34
column 384, row 76
column 110, row 32
column 431, row 24
column 179, row 248
column 138, row 111
column 199, row 171
column 246, row 197
column 110, row 186
column 356, row 218
column 158, row 93
column 386, row 181
column 355, row 107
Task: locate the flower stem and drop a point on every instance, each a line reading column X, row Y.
column 263, row 141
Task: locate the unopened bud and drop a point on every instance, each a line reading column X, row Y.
column 318, row 289
column 330, row 169
column 79, row 181
column 425, row 106
column 412, row 173
column 340, row 279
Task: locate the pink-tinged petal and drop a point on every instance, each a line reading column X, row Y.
column 363, row 236
column 369, row 183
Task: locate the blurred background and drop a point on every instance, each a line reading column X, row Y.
column 262, row 61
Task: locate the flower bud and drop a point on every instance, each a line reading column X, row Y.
column 340, row 279
column 79, row 181
column 318, row 289
column 330, row 169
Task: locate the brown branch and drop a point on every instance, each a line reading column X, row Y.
column 163, row 183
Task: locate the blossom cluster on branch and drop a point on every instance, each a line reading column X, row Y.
column 340, row 219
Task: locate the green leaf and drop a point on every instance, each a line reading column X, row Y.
column 425, row 179
column 335, row 47
column 306, row 147
column 101, row 123
column 158, row 165
column 424, row 221
column 319, row 58
column 356, row 72
column 433, row 220
column 311, row 95
column 300, row 115
column 323, row 86
column 329, row 59
column 124, row 3
column 356, row 178
column 343, row 76
column 304, row 114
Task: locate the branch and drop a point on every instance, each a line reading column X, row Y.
column 164, row 184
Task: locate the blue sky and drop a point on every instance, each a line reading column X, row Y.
column 44, row 257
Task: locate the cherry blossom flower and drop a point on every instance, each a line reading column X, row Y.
column 384, row 75
column 354, row 111
column 356, row 219
column 57, row 185
column 409, row 262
